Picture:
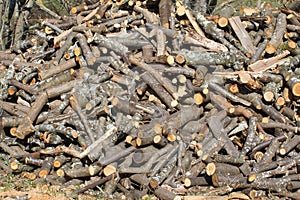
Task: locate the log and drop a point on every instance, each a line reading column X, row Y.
column 277, row 35
column 152, row 98
column 236, row 24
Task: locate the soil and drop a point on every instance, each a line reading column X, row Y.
column 14, row 187
column 53, row 193
column 34, row 194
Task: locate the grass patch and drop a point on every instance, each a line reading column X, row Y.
column 13, row 181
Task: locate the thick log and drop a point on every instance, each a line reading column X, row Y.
column 278, row 34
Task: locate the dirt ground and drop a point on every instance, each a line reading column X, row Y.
column 16, row 188
column 38, row 194
column 34, row 194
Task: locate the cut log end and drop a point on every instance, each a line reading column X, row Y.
column 296, row 89
column 73, row 10
column 60, row 173
column 30, row 176
column 282, row 151
column 157, row 139
column 14, row 165
column 187, row 182
column 280, row 101
column 77, row 51
column 251, row 177
column 12, row 131
column 198, row 98
column 75, row 134
column 180, row 59
column 210, row 169
column 258, row 156
column 269, row 96
column 139, row 142
column 292, row 44
column 174, row 103
column 244, row 77
column 270, row 49
column 223, row 22
column 265, row 120
column 153, row 184
column 11, row 90
column 205, row 91
column 180, row 10
column 181, row 78
column 231, row 110
column 109, row 170
column 43, row 173
column 170, row 60
column 56, row 164
column 171, row 137
column 234, row 88
column 45, row 188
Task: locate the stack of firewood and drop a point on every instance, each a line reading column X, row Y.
column 154, row 98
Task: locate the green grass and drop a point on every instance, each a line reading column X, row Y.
column 12, row 181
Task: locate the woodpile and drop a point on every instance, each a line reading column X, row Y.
column 155, row 97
